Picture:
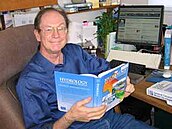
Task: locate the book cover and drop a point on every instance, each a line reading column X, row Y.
column 161, row 90
column 106, row 88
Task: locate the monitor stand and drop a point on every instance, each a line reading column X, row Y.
column 128, row 47
column 150, row 49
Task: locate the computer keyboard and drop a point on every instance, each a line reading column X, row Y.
column 151, row 61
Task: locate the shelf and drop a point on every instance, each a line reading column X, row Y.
column 9, row 5
column 95, row 9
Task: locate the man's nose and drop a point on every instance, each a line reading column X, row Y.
column 55, row 33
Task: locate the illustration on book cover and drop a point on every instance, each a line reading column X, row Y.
column 115, row 89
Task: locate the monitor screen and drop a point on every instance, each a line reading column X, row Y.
column 140, row 25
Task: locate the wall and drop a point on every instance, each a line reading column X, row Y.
column 86, row 16
column 168, row 9
column 168, row 17
column 134, row 1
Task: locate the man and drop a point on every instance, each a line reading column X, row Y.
column 36, row 86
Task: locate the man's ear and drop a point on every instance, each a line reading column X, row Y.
column 67, row 36
column 37, row 35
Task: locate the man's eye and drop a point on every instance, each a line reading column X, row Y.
column 61, row 28
column 49, row 29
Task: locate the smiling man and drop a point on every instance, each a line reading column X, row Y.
column 36, row 85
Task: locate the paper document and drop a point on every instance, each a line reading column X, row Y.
column 75, row 32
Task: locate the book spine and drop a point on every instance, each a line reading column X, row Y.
column 158, row 94
column 154, row 94
column 97, row 92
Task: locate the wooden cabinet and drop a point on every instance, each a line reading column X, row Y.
column 8, row 5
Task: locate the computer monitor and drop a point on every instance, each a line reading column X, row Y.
column 140, row 25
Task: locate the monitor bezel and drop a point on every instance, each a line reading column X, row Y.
column 160, row 29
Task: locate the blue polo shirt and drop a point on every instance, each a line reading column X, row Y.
column 36, row 85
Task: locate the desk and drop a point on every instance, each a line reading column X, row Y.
column 140, row 93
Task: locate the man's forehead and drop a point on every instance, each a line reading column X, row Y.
column 52, row 14
column 52, row 17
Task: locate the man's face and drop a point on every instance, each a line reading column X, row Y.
column 53, row 33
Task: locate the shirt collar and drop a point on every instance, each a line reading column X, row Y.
column 43, row 62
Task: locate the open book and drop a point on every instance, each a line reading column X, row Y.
column 106, row 88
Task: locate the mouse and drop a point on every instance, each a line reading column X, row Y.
column 167, row 74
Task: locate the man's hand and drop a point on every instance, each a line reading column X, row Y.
column 129, row 89
column 79, row 112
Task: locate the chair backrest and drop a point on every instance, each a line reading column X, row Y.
column 17, row 46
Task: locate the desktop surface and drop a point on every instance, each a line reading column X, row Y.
column 140, row 93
